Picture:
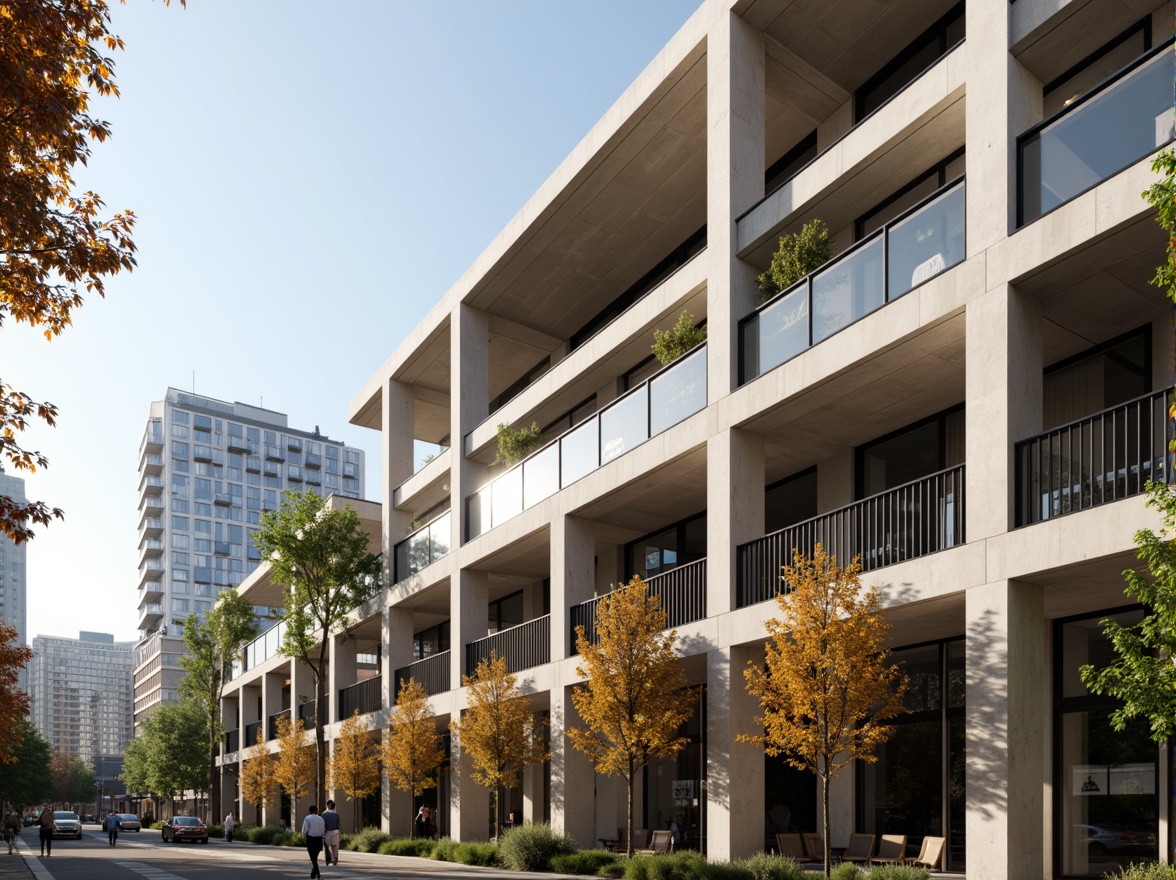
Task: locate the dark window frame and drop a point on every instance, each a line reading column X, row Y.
column 679, row 528
column 860, row 450
column 938, row 170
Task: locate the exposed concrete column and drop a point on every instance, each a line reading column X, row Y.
column 469, row 617
column 340, row 674
column 469, row 802
column 573, row 578
column 469, row 395
column 396, row 426
column 835, row 482
column 1006, row 769
column 735, row 182
column 735, row 509
column 1003, row 365
column 271, row 703
column 572, row 776
column 992, row 124
column 734, row 771
column 396, row 634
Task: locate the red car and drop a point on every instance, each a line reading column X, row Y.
column 185, row 828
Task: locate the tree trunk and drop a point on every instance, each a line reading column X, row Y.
column 214, row 789
column 497, row 810
column 629, row 831
column 320, row 701
column 825, row 817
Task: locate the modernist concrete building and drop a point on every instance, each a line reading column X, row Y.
column 969, row 397
column 14, row 572
column 80, row 693
column 207, row 469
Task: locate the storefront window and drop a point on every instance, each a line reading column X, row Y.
column 672, row 787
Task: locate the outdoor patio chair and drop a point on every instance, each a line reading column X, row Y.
column 640, row 836
column 660, row 844
column 792, row 847
column 860, row 849
column 930, row 854
column 814, row 845
column 891, row 851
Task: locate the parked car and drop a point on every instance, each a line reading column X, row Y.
column 67, row 824
column 129, row 822
column 184, row 828
column 1103, row 841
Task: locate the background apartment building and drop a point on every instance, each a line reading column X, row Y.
column 80, row 690
column 207, row 469
column 969, row 397
column 13, row 571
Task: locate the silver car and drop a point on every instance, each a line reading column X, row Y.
column 129, row 822
column 67, row 824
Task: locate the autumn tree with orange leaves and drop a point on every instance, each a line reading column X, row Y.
column 258, row 775
column 412, row 748
column 354, row 766
column 55, row 242
column 14, row 703
column 826, row 690
column 498, row 730
column 295, row 766
column 635, row 699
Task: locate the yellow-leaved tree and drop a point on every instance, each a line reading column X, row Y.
column 354, row 765
column 498, row 730
column 826, row 690
column 296, row 761
column 258, row 778
column 412, row 748
column 636, row 698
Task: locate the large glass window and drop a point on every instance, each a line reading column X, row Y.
column 1106, row 782
column 790, row 501
column 1103, row 377
column 683, row 542
column 672, row 787
column 911, row 453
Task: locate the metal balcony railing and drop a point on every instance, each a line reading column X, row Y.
column 681, row 593
column 271, row 727
column 523, row 646
column 366, row 696
column 432, row 672
column 251, row 731
column 1101, row 458
column 909, row 521
column 232, row 741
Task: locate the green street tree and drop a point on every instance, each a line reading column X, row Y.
column 168, row 756
column 635, row 699
column 25, row 780
column 71, row 781
column 1143, row 676
column 212, row 643
column 320, row 554
column 826, row 690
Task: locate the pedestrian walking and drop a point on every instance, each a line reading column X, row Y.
column 313, row 829
column 111, row 825
column 45, row 827
column 229, row 825
column 11, row 830
column 331, row 840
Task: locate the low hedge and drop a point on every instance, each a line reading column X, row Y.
column 589, row 862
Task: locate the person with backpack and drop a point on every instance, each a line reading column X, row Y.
column 45, row 828
column 111, row 825
column 11, row 830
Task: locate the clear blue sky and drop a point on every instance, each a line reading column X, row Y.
column 310, row 178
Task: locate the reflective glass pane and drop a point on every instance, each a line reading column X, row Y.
column 1098, row 138
column 848, row 290
column 926, row 243
column 507, row 497
column 624, row 425
column 579, row 453
column 783, row 330
column 478, row 512
column 677, row 393
column 439, row 536
column 541, row 475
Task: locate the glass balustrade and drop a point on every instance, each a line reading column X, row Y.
column 1111, row 127
column 423, row 547
column 666, row 398
column 911, row 249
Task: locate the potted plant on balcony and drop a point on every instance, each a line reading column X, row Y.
column 515, row 445
column 669, row 345
column 797, row 255
column 682, row 385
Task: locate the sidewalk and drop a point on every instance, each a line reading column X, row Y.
column 14, row 866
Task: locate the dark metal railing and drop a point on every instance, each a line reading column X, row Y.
column 233, row 740
column 306, row 712
column 1101, row 458
column 366, row 696
column 909, row 521
column 271, row 728
column 523, row 646
column 681, row 593
column 252, row 729
column 432, row 672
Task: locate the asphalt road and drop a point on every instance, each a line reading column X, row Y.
column 144, row 856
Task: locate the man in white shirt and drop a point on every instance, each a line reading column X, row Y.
column 331, row 840
column 313, row 829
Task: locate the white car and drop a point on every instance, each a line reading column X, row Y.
column 129, row 822
column 67, row 824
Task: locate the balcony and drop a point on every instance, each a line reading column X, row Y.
column 1093, row 461
column 150, row 614
column 909, row 521
column 923, row 242
column 152, row 438
column 522, row 646
column 273, row 453
column 223, row 500
column 656, row 405
column 202, row 453
column 263, row 647
column 151, row 503
column 681, row 593
column 306, row 713
column 151, row 485
column 152, row 547
column 151, row 591
column 237, row 444
column 251, row 731
column 366, row 696
column 423, row 547
column 152, row 526
column 314, row 461
column 432, row 672
column 152, row 463
column 271, row 726
column 1113, row 126
column 232, row 741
